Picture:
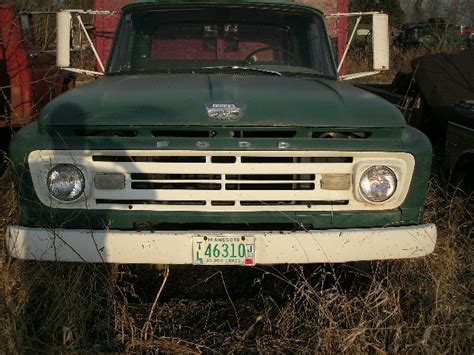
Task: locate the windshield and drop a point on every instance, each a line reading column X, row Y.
column 198, row 39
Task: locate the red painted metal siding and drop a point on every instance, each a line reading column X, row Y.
column 328, row 7
column 342, row 31
column 337, row 27
column 15, row 58
column 105, row 25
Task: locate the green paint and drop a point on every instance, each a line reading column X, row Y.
column 178, row 100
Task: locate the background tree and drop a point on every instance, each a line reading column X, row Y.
column 418, row 12
column 391, row 7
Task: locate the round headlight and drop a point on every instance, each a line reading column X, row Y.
column 66, row 182
column 378, row 183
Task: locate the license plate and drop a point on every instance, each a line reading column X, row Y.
column 217, row 250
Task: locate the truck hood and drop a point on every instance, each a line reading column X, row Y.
column 180, row 99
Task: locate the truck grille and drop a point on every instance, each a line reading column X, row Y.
column 235, row 181
column 217, row 181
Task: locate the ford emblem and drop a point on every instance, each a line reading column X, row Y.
column 224, row 112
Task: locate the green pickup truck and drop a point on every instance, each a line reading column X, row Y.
column 220, row 135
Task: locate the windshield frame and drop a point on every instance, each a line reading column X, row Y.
column 292, row 8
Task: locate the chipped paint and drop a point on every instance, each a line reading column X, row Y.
column 314, row 246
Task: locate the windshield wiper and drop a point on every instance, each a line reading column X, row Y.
column 236, row 67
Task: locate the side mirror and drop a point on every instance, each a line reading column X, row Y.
column 381, row 42
column 63, row 54
column 63, row 40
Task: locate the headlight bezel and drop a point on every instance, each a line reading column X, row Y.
column 82, row 176
column 403, row 171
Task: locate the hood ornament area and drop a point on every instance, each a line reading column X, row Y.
column 224, row 112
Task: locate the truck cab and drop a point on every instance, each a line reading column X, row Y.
column 220, row 135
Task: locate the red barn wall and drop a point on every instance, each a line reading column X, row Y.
column 105, row 25
column 328, row 7
column 337, row 27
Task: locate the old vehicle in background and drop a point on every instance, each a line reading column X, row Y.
column 459, row 147
column 437, row 97
column 434, row 33
column 28, row 76
column 221, row 135
column 445, row 84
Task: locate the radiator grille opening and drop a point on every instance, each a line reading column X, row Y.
column 105, row 133
column 247, row 159
column 223, row 203
column 294, row 203
column 223, row 160
column 298, row 177
column 269, row 186
column 174, row 186
column 148, row 159
column 143, row 176
column 263, row 134
column 183, row 134
column 219, row 159
column 151, row 202
column 232, row 133
column 341, row 135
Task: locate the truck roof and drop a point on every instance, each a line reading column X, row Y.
column 213, row 1
column 277, row 3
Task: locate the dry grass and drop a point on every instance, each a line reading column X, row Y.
column 414, row 306
column 360, row 60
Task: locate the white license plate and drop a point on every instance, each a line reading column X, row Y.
column 215, row 250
